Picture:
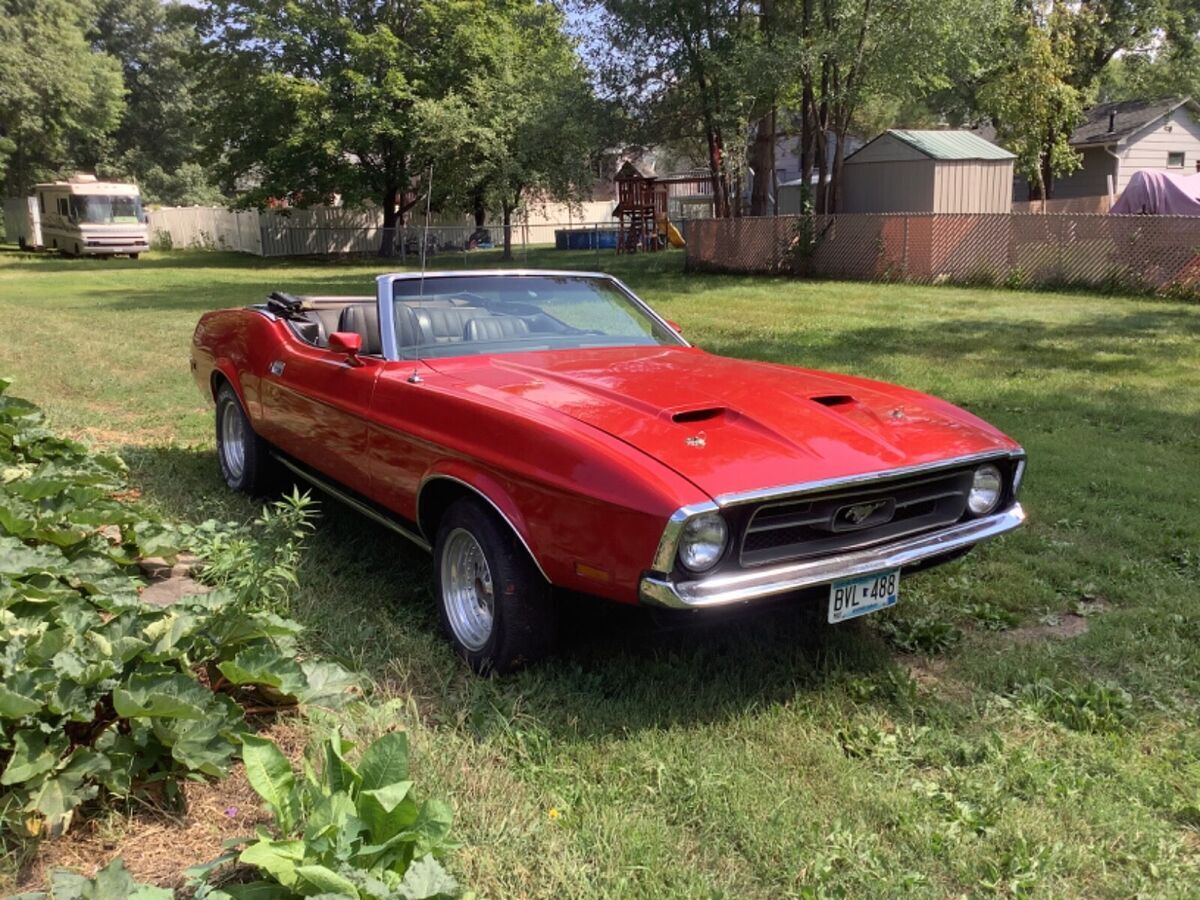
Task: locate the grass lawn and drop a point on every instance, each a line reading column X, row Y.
column 1024, row 722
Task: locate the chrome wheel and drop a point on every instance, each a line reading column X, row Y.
column 233, row 440
column 467, row 589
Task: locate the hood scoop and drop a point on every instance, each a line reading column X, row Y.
column 703, row 414
column 834, row 400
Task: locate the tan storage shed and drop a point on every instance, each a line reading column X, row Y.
column 928, row 172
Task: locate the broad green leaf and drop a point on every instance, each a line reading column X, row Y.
column 328, row 684
column 16, row 706
column 115, row 881
column 387, row 810
column 32, row 755
column 265, row 665
column 433, row 825
column 427, row 879
column 60, row 794
column 258, row 890
column 325, row 881
column 384, row 762
column 277, row 858
column 339, row 774
column 201, row 745
column 162, row 693
column 271, row 776
column 18, row 559
column 17, row 517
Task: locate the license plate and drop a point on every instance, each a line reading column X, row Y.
column 853, row 597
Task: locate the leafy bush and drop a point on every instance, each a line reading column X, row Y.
column 351, row 831
column 98, row 690
column 257, row 562
column 111, row 882
column 927, row 634
column 1093, row 707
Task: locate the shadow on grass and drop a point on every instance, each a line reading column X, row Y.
column 366, row 598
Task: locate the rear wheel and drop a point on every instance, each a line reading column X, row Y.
column 133, row 256
column 244, row 457
column 493, row 603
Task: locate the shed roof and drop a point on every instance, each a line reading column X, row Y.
column 951, row 144
column 1126, row 118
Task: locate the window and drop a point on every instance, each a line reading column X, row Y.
column 41, row 202
column 469, row 315
column 62, row 206
column 106, row 210
column 1175, row 160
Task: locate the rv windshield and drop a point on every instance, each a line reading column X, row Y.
column 100, row 209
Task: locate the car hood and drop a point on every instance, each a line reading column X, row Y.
column 731, row 425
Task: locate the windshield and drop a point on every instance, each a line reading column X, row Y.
column 106, row 210
column 476, row 314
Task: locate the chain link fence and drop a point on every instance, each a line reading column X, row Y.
column 1159, row 254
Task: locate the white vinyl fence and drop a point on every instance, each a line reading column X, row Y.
column 328, row 231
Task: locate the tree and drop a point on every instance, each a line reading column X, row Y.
column 318, row 97
column 519, row 122
column 159, row 140
column 1035, row 107
column 678, row 64
column 60, row 99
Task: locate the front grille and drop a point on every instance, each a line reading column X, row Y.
column 837, row 521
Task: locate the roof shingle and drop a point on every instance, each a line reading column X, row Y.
column 1112, row 123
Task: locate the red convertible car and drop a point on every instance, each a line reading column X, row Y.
column 542, row 430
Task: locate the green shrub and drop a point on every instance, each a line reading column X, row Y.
column 1093, row 707
column 99, row 691
column 110, row 883
column 351, row 831
column 258, row 561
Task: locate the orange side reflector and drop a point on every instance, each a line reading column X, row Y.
column 590, row 572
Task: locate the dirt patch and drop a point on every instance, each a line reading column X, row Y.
column 158, row 845
column 1066, row 626
column 167, row 582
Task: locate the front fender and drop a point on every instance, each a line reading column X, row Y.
column 491, row 490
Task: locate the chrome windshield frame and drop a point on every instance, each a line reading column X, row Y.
column 385, row 296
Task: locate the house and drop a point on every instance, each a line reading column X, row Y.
column 1118, row 139
column 904, row 171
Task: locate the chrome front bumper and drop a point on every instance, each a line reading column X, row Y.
column 754, row 584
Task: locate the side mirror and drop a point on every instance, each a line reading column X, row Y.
column 348, row 342
column 675, row 326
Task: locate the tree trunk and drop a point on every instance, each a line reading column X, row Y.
column 716, row 175
column 507, row 232
column 480, row 212
column 387, row 240
column 762, row 158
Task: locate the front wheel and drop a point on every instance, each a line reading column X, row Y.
column 493, row 602
column 244, row 457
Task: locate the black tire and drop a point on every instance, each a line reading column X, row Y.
column 133, row 256
column 524, row 618
column 22, row 243
column 254, row 472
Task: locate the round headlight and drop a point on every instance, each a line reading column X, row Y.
column 703, row 541
column 986, row 487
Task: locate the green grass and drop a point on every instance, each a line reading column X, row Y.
column 745, row 755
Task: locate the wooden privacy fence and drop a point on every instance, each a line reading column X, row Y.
column 328, row 231
column 1158, row 253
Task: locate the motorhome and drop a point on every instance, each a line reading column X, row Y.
column 87, row 217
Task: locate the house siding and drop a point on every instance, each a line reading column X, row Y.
column 888, row 186
column 1089, row 181
column 1178, row 133
column 887, row 148
column 972, row 186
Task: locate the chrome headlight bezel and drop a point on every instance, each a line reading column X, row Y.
column 702, row 542
column 987, row 490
